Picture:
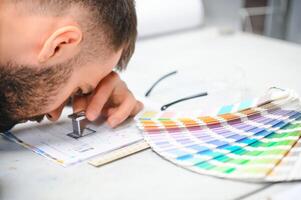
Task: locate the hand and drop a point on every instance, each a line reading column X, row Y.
column 111, row 98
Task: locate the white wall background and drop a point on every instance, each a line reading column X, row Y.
column 161, row 17
column 156, row 17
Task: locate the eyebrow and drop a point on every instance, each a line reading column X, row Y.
column 89, row 89
column 84, row 91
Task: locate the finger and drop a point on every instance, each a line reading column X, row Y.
column 111, row 111
column 98, row 100
column 106, row 111
column 122, row 112
column 79, row 103
column 138, row 107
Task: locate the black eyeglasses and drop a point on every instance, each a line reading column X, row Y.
column 166, row 106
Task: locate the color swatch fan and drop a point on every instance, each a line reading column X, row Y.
column 257, row 143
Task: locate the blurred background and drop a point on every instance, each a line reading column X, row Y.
column 235, row 49
column 273, row 18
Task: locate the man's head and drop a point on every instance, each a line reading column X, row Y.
column 51, row 49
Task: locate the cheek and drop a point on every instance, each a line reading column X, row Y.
column 94, row 75
column 59, row 102
column 91, row 74
column 62, row 96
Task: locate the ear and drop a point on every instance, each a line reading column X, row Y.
column 62, row 45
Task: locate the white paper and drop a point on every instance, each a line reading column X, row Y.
column 51, row 140
column 157, row 16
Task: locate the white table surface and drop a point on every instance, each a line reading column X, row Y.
column 239, row 64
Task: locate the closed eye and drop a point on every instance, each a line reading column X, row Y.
column 81, row 92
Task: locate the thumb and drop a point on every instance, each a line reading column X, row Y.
column 79, row 103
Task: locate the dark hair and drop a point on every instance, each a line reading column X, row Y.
column 116, row 18
column 119, row 20
column 25, row 90
column 119, row 17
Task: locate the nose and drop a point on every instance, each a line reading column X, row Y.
column 55, row 114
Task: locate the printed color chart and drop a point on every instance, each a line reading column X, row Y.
column 256, row 140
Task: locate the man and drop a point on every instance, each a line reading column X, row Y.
column 51, row 50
